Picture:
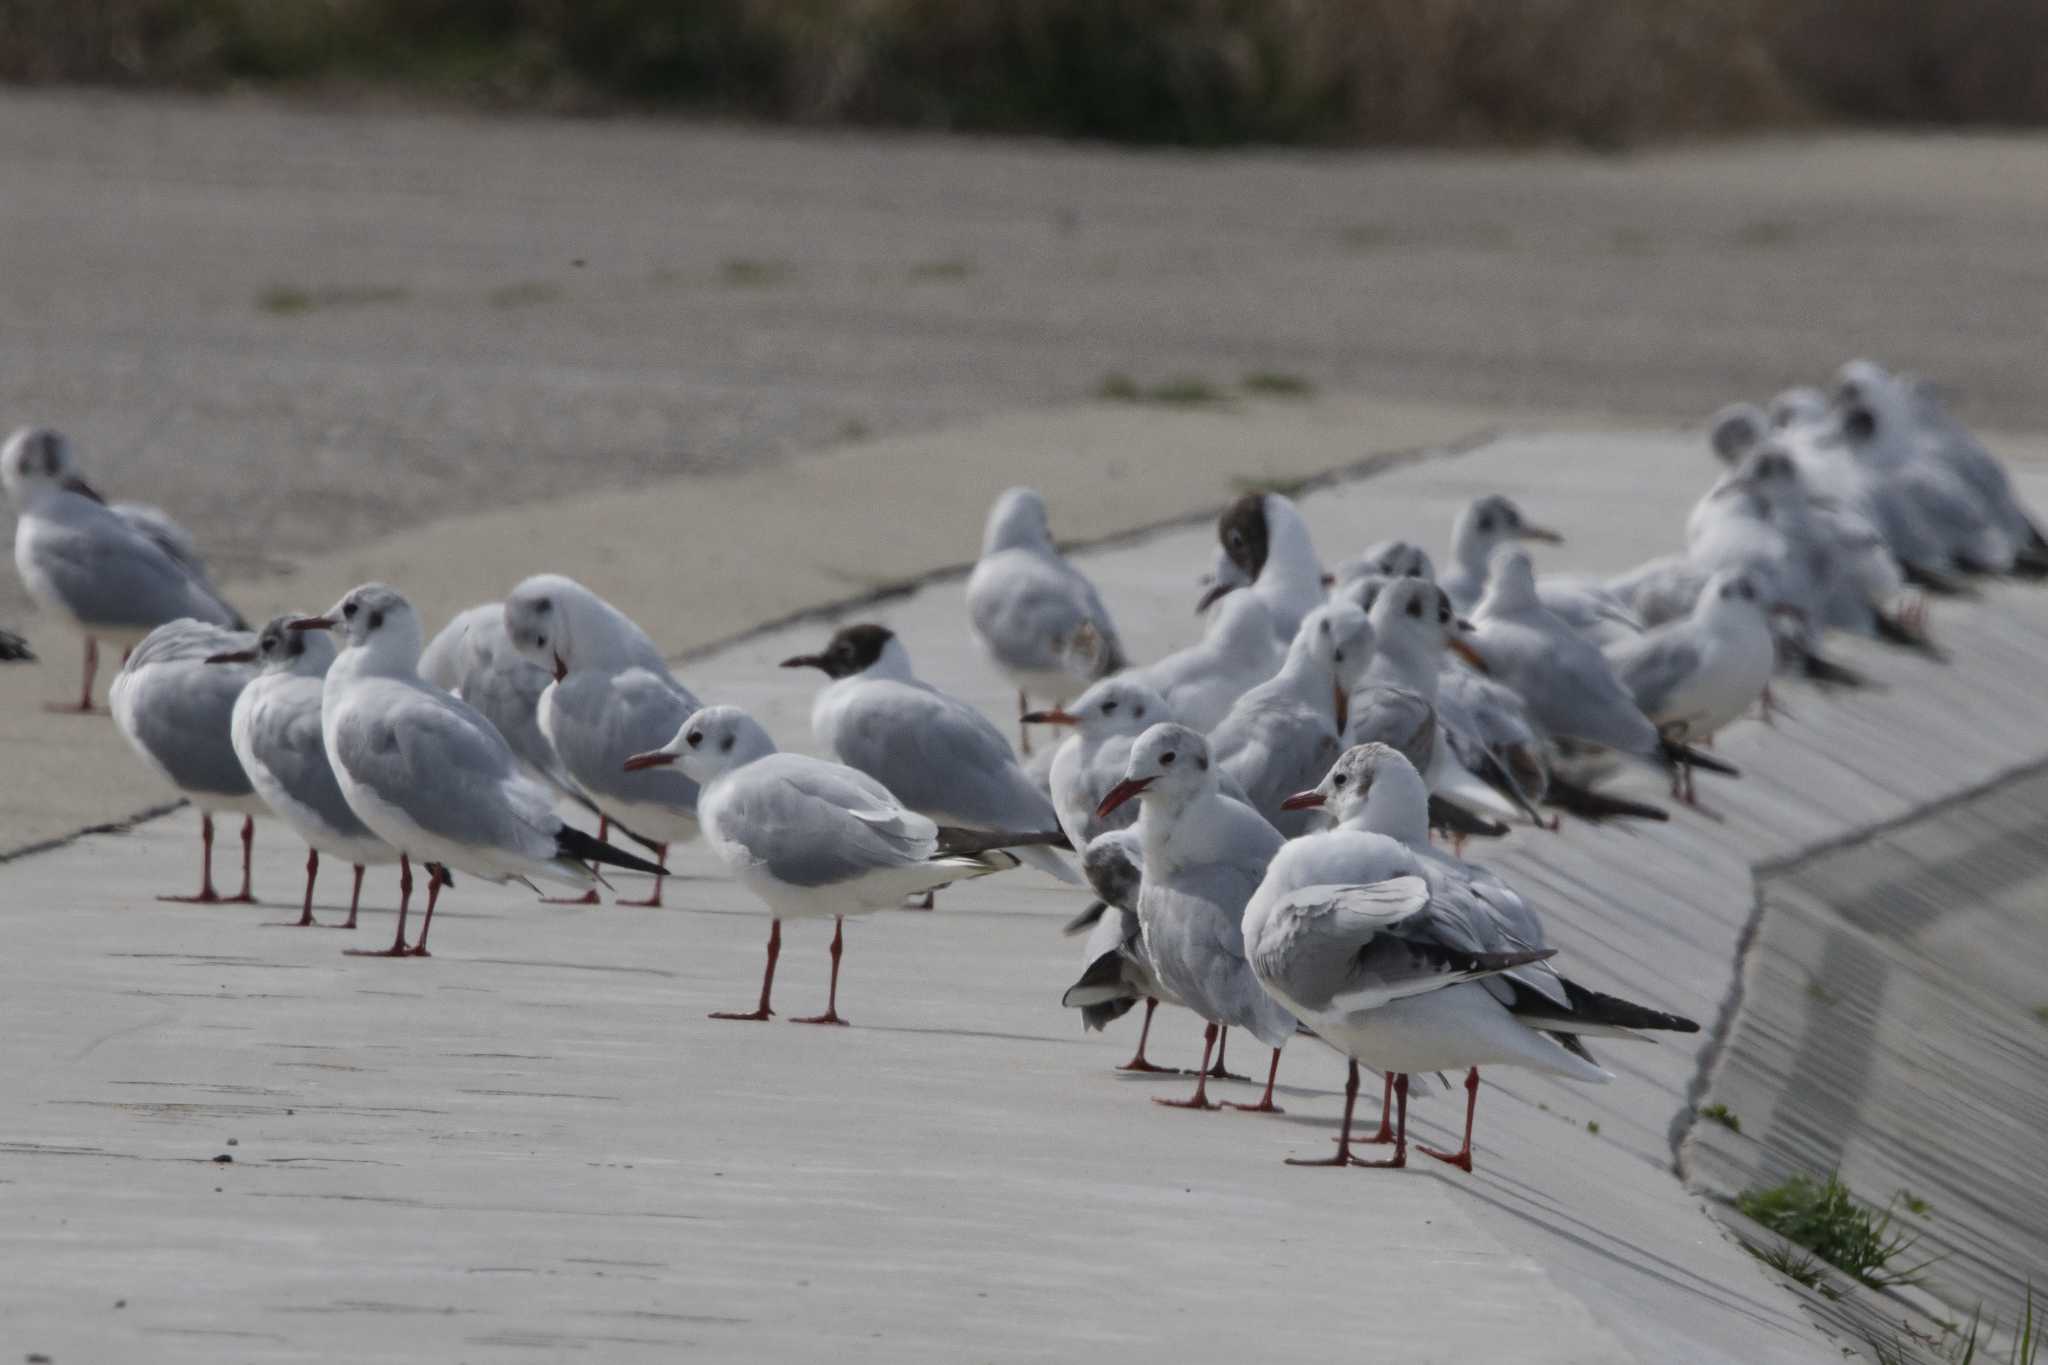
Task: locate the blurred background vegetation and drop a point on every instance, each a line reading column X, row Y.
column 1197, row 72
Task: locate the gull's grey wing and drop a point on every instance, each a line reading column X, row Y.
column 942, row 758
column 473, row 658
column 1570, row 690
column 600, row 721
column 1396, row 717
column 108, row 573
column 1030, row 612
column 441, row 763
column 1655, row 667
column 284, row 731
column 1114, row 864
column 811, row 825
column 179, row 708
column 1194, row 939
column 1273, row 752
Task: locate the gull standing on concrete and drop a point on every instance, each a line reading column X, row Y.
column 1036, row 616
column 1410, row 961
column 1880, row 423
column 611, row 697
column 938, row 755
column 427, row 773
column 110, row 573
column 810, row 838
column 276, row 734
column 1266, row 551
column 1203, row 856
column 1283, row 734
column 1570, row 689
column 177, row 711
column 1947, row 442
column 1238, row 651
column 1694, row 675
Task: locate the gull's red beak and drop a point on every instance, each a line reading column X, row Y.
column 1303, row 801
column 1216, row 590
column 312, row 623
column 233, row 656
column 658, row 758
column 1053, row 717
column 1542, row 533
column 561, row 669
column 1329, row 580
column 1468, row 654
column 1120, row 793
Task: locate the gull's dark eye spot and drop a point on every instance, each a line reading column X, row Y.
column 1203, row 764
column 544, row 604
column 541, row 641
column 696, row 738
column 1109, row 709
column 349, row 610
column 1138, row 712
column 1415, row 607
column 725, row 745
column 1323, row 626
column 376, row 619
column 1339, row 780
column 1340, row 656
column 1486, row 523
column 1166, row 759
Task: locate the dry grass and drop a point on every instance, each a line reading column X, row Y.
column 1181, row 71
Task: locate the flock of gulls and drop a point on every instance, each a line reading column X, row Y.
column 1272, row 820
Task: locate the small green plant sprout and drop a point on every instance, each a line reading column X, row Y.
column 289, row 300
column 1721, row 1114
column 1800, row 1267
column 747, row 272
column 1593, row 1126
column 1182, row 391
column 1915, row 1205
column 1825, row 1218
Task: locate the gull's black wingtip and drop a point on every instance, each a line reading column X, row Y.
column 571, row 842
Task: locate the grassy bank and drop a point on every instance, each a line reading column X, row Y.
column 1199, row 72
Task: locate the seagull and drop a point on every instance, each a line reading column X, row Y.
column 275, row 730
column 427, row 773
column 810, row 838
column 1286, row 732
column 1105, row 719
column 1036, row 616
column 1378, row 941
column 938, row 755
column 1386, row 559
column 473, row 657
column 1236, row 653
column 611, row 696
column 1115, row 971
column 1947, row 442
column 1570, row 689
column 1203, row 856
column 1861, row 455
column 110, row 573
column 1482, row 526
column 1693, row 676
column 1265, row 549
column 1880, row 421
column 176, row 711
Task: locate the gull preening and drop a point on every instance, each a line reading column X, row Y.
column 109, row 573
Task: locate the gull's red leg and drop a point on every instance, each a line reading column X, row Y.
column 1265, row 1104
column 84, row 706
column 653, row 902
column 604, row 827
column 831, row 1014
column 1400, row 1157
column 436, row 879
column 207, row 895
column 355, row 898
column 1220, row 1072
column 1023, row 730
column 1343, row 1157
column 1138, row 1062
column 245, row 896
column 305, row 919
column 1200, row 1099
column 1462, row 1158
column 767, row 977
column 397, row 948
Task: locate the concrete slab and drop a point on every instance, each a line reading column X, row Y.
column 534, row 1141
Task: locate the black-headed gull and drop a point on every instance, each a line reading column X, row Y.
column 1204, row 853
column 110, row 573
column 176, row 710
column 427, row 773
column 1036, row 616
column 940, row 756
column 1570, row 689
column 275, row 730
column 812, row 839
column 1409, row 961
column 1284, row 734
column 1106, row 720
column 611, row 696
column 1265, row 550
